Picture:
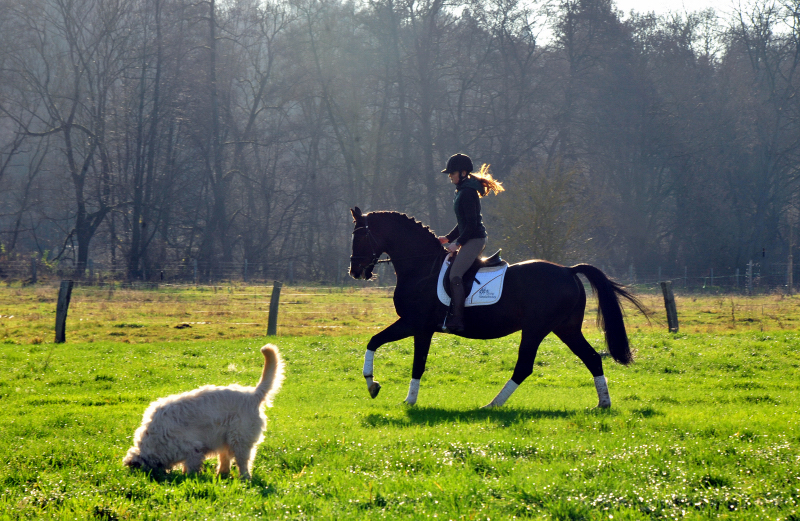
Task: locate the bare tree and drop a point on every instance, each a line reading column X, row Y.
column 545, row 214
column 73, row 69
column 760, row 68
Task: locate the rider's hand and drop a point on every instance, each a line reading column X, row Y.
column 452, row 247
column 443, row 239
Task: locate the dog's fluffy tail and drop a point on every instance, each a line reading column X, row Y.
column 272, row 376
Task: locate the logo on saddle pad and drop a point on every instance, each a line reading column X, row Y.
column 487, row 287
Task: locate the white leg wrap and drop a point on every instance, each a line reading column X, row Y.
column 601, row 384
column 413, row 392
column 504, row 394
column 369, row 356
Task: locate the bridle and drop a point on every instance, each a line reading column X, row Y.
column 375, row 253
column 373, row 244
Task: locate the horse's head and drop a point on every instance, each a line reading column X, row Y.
column 366, row 249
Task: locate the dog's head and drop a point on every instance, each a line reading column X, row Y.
column 135, row 460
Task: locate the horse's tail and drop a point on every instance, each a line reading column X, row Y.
column 609, row 310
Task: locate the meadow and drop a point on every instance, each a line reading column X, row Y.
column 704, row 425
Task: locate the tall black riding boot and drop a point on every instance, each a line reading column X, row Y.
column 455, row 322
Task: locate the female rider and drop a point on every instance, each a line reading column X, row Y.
column 469, row 235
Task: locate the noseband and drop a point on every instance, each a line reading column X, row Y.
column 373, row 243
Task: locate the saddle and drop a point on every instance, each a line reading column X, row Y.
column 468, row 279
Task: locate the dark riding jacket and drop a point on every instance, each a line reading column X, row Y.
column 467, row 205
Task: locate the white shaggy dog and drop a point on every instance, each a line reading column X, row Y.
column 226, row 421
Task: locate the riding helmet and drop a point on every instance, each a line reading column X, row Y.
column 458, row 163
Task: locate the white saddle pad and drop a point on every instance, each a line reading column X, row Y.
column 487, row 288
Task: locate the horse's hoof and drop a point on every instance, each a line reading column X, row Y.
column 491, row 405
column 602, row 405
column 374, row 389
column 407, row 404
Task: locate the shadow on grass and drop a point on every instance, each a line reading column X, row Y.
column 437, row 416
column 203, row 483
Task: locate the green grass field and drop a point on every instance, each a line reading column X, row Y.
column 704, row 425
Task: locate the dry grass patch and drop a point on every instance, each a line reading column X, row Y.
column 179, row 313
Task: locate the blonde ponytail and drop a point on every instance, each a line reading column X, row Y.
column 489, row 183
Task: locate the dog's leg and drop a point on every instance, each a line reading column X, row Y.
column 243, row 460
column 224, row 467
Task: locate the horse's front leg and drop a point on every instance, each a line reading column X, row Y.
column 399, row 330
column 422, row 344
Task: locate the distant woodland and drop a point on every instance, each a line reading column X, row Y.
column 137, row 135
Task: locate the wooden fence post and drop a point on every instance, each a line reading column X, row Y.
column 669, row 303
column 272, row 326
column 64, row 294
column 33, row 270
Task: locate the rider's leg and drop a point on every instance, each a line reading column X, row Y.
column 467, row 254
column 455, row 322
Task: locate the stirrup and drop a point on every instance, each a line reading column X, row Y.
column 447, row 328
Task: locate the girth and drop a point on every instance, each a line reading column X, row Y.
column 469, row 277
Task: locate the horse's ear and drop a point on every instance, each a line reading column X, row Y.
column 356, row 213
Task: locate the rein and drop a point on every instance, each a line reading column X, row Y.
column 375, row 258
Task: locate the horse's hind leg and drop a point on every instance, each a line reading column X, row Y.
column 577, row 343
column 528, row 347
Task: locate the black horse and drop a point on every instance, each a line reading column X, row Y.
column 538, row 298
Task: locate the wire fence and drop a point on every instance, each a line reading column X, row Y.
column 183, row 272
column 753, row 278
column 144, row 312
column 147, row 312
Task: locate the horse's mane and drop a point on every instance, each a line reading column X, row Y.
column 408, row 222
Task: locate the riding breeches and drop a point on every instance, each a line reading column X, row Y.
column 467, row 254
